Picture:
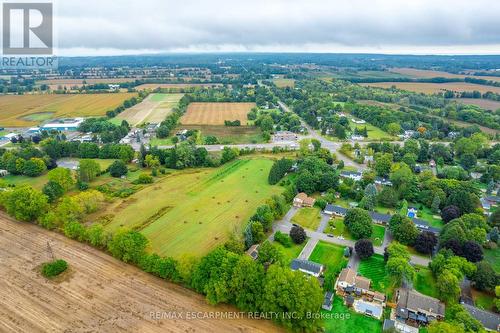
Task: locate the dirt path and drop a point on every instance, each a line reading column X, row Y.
column 99, row 293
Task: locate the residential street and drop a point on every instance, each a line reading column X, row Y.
column 284, row 225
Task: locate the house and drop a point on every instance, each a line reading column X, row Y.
column 383, row 181
column 380, row 218
column 3, row 172
column 302, row 200
column 424, row 226
column 349, row 282
column 335, row 210
column 328, row 301
column 357, row 137
column 485, row 204
column 284, row 136
column 360, row 121
column 368, row 159
column 308, row 267
column 253, row 251
column 114, row 87
column 182, row 134
column 494, row 200
column 409, row 134
column 490, row 320
column 416, row 309
column 352, row 175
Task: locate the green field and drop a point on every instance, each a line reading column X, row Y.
column 191, row 211
column 291, row 252
column 330, row 255
column 425, row 282
column 344, row 320
column 373, row 268
column 336, row 227
column 308, row 217
column 483, row 300
column 493, row 257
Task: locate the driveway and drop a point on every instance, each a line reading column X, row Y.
column 308, row 248
column 286, row 226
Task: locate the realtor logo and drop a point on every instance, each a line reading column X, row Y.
column 27, row 28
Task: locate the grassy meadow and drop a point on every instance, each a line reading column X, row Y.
column 191, row 211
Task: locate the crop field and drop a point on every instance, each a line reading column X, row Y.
column 283, row 83
column 176, row 85
column 191, row 211
column 424, row 73
column 433, row 88
column 29, row 110
column 153, row 109
column 482, row 103
column 229, row 134
column 216, row 113
column 97, row 294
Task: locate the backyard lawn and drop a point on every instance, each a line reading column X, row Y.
column 292, row 252
column 343, row 320
column 330, row 255
column 336, row 227
column 483, row 300
column 425, row 282
column 308, row 217
column 493, row 257
column 374, row 269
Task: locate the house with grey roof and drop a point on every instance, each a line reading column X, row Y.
column 328, row 301
column 308, row 267
column 352, row 175
column 490, row 320
column 416, row 309
column 380, row 218
column 335, row 210
column 422, row 225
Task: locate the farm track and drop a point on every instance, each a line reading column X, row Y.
column 98, row 294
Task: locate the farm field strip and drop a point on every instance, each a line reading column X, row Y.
column 432, row 88
column 191, row 211
column 152, row 109
column 97, row 294
column 176, row 85
column 216, row 113
column 425, row 73
column 17, row 110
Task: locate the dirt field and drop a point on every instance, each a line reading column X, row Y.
column 482, row 103
column 283, row 83
column 153, row 109
column 97, row 294
column 176, row 85
column 432, row 88
column 216, row 113
column 422, row 73
column 29, row 110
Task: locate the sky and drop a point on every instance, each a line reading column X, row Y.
column 105, row 27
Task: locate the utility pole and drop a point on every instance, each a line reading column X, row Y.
column 49, row 250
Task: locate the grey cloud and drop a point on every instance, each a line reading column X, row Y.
column 173, row 25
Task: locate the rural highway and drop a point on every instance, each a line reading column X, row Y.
column 285, row 224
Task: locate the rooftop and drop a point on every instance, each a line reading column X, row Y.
column 417, row 302
column 489, row 320
column 306, row 266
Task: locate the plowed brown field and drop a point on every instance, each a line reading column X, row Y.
column 97, row 294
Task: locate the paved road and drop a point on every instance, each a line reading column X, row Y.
column 284, row 225
column 333, row 147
